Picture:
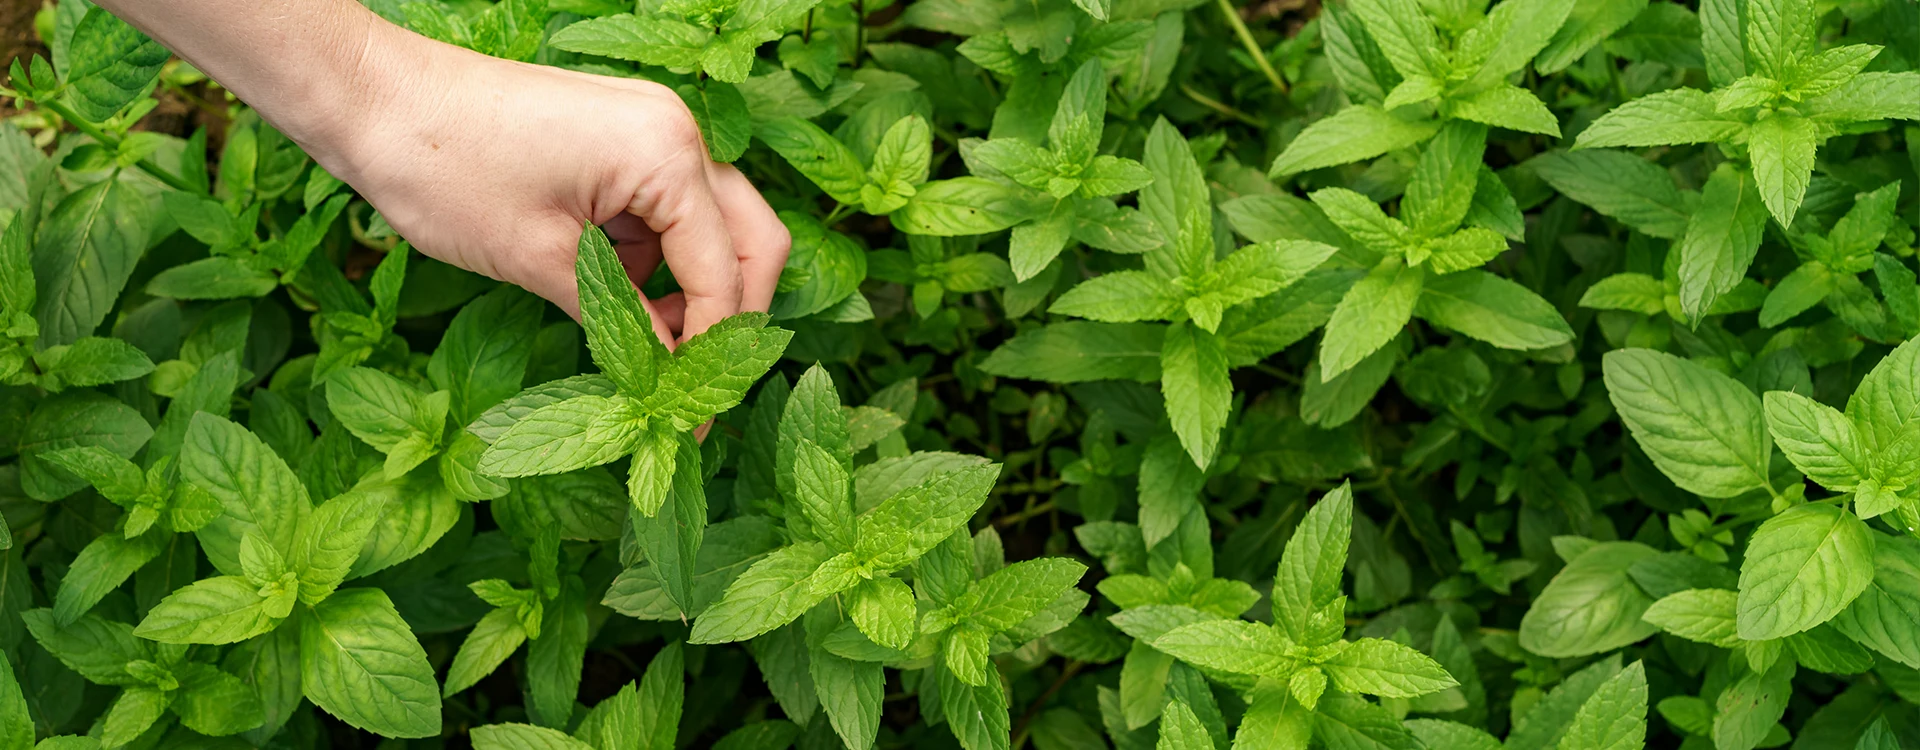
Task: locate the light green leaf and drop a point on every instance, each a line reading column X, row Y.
column 1782, row 147
column 1615, row 717
column 360, row 662
column 1591, row 606
column 1381, row 667
column 1820, row 441
column 1492, row 309
column 1802, row 567
column 565, row 436
column 1370, row 315
column 1352, row 134
column 1704, row 430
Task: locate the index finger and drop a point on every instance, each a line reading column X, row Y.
column 678, row 202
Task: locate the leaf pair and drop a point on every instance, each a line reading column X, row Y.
column 717, row 37
column 156, row 680
column 1297, row 658
column 1776, row 100
column 1389, row 56
column 1429, row 266
column 853, row 529
column 1055, row 194
column 888, row 179
column 645, row 403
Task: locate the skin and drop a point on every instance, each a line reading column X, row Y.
column 492, row 165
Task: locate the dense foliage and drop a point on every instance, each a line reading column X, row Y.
column 1382, row 374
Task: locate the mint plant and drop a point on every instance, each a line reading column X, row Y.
column 1527, row 374
column 1406, row 79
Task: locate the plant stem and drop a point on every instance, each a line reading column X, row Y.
column 806, row 30
column 113, row 141
column 1020, row 729
column 859, row 31
column 1029, row 512
column 1253, row 47
column 1222, row 107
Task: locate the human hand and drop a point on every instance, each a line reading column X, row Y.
column 494, row 166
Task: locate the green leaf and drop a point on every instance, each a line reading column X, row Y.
column 1019, row 591
column 74, row 420
column 1381, row 667
column 1820, row 441
column 109, row 64
column 523, row 737
column 495, row 421
column 851, row 693
column 711, row 372
column 381, row 410
column 1633, row 190
column 772, row 592
column 1308, row 578
column 1444, row 176
column 1179, row 204
column 360, row 662
column 131, row 715
column 816, row 154
column 1701, row 615
column 1668, row 118
column 331, row 539
column 219, row 277
column 1074, row 352
column 222, row 609
column 1748, row 709
column 968, row 205
column 97, row 649
column 484, row 353
column 824, row 494
column 619, row 331
column 671, row 538
column 1588, row 23
column 1886, row 616
column 1120, row 297
column 1782, row 149
column 883, row 610
column 1199, row 395
column 721, row 113
column 1405, row 35
column 1370, row 315
column 565, row 436
column 1636, row 292
column 256, row 491
column 1615, row 717
column 86, row 251
column 655, row 39
column 903, row 527
column 486, row 647
column 90, row 361
column 1507, row 106
column 1591, row 606
column 1492, row 309
column 1802, row 567
column 977, row 715
column 1704, row 430
column 1180, row 729
column 1352, row 134
column 104, row 564
column 1348, row 721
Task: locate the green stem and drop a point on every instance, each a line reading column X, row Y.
column 1222, row 107
column 1253, row 47
column 839, row 212
column 859, row 31
column 113, row 141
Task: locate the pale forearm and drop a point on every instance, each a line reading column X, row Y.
column 306, row 65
